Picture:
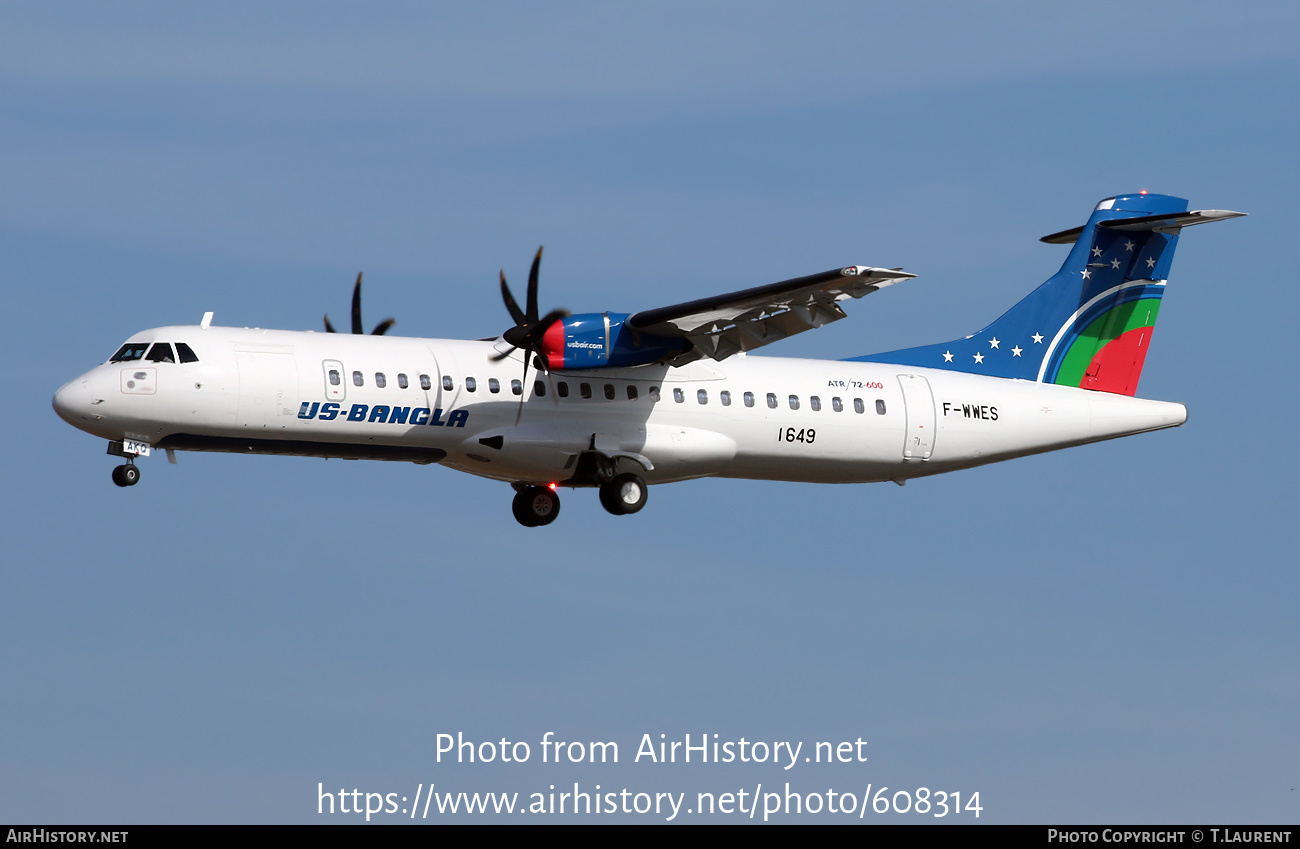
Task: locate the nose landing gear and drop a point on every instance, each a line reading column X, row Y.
column 127, row 474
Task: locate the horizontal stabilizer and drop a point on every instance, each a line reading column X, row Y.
column 1168, row 224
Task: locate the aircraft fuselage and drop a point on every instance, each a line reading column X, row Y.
column 449, row 401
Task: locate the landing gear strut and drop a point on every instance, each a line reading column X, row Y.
column 126, row 475
column 535, row 506
column 623, row 495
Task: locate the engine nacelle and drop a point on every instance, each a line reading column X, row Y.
column 603, row 340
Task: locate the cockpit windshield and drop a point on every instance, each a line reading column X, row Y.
column 130, row 351
column 161, row 352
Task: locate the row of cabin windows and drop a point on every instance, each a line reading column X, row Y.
column 814, row 402
column 381, row 380
column 159, row 352
column 585, row 391
column 610, row 393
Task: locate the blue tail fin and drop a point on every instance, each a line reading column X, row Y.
column 1090, row 324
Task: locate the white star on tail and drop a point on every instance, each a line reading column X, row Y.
column 1128, row 246
column 1015, row 352
column 1114, row 263
column 1086, row 274
column 994, row 342
column 947, row 356
column 979, row 358
column 1151, row 263
column 1038, row 338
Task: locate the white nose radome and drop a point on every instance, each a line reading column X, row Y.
column 76, row 404
column 71, row 398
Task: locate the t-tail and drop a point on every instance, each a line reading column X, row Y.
column 1090, row 325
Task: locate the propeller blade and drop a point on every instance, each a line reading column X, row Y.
column 382, row 327
column 515, row 313
column 532, row 286
column 528, row 331
column 356, row 306
column 329, row 328
column 524, row 385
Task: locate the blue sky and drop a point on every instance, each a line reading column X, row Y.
column 1103, row 634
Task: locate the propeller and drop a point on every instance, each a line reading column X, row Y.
column 528, row 330
column 380, row 329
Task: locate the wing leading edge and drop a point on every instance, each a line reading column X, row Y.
column 727, row 324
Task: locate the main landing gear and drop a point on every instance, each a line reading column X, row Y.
column 624, row 495
column 535, row 506
column 127, row 474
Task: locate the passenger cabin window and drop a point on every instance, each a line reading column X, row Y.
column 161, row 352
column 880, row 406
column 771, row 400
column 858, row 406
column 562, row 389
column 631, row 392
column 794, row 402
column 610, row 395
column 447, row 383
column 471, row 384
column 425, row 383
column 815, row 403
column 494, row 385
column 584, row 389
column 335, row 377
column 654, row 393
column 702, row 395
column 749, row 399
column 516, row 387
column 539, row 389
column 186, row 353
column 837, row 405
column 357, row 379
column 402, row 382
column 380, row 380
column 130, row 351
column 725, row 397
column 679, row 396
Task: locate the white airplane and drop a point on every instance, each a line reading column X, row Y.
column 619, row 401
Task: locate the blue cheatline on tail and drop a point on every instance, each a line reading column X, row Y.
column 1090, row 324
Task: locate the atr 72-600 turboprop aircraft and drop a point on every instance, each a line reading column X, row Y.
column 618, row 401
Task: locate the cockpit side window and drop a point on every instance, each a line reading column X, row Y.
column 130, row 351
column 186, row 353
column 161, row 352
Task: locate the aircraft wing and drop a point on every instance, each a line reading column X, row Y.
column 720, row 326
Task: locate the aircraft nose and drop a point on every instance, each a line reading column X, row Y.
column 72, row 402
